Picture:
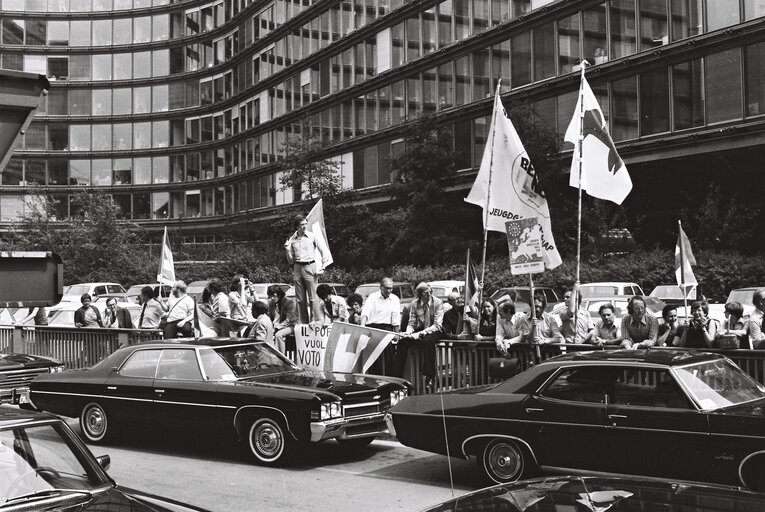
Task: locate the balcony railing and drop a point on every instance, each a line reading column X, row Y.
column 458, row 363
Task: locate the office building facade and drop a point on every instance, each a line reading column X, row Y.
column 179, row 109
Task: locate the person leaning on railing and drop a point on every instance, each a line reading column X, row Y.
column 606, row 331
column 543, row 328
column 701, row 331
column 639, row 328
column 509, row 330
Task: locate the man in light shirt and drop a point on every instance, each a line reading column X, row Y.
column 301, row 250
column 756, row 335
column 382, row 310
column 180, row 315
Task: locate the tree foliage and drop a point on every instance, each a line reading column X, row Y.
column 306, row 169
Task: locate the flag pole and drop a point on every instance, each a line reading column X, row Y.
column 579, row 208
column 682, row 268
column 488, row 189
column 464, row 329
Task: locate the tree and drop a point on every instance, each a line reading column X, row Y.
column 306, row 168
column 94, row 245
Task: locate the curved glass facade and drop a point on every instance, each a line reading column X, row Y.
column 178, row 109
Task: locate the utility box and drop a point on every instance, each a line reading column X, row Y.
column 30, row 279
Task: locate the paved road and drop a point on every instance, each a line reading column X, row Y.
column 386, row 476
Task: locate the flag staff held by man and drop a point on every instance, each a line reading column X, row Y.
column 596, row 166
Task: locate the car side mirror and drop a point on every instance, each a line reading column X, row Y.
column 104, row 461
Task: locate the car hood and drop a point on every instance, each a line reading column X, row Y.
column 115, row 498
column 20, row 361
column 351, row 386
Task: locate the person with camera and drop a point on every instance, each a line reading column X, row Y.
column 700, row 332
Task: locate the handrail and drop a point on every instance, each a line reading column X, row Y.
column 459, row 363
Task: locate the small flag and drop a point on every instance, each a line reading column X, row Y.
column 471, row 283
column 507, row 186
column 683, row 261
column 166, row 273
column 353, row 348
column 604, row 174
column 315, row 220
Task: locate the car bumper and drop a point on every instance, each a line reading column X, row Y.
column 22, row 398
column 349, row 428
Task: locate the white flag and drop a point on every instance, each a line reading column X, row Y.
column 683, row 261
column 604, row 174
column 509, row 182
column 166, row 273
column 315, row 218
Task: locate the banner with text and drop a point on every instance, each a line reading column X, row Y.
column 524, row 238
column 341, row 347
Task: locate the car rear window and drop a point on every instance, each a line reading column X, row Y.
column 341, row 290
column 595, row 291
column 404, row 292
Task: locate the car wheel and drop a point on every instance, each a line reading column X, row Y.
column 94, row 423
column 356, row 443
column 267, row 441
column 502, row 461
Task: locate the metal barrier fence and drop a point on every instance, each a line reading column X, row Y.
column 458, row 363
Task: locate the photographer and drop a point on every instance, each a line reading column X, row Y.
column 700, row 332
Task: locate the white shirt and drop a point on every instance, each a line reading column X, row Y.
column 382, row 311
column 180, row 308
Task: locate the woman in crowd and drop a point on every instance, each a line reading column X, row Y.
column 487, row 321
column 700, row 332
column 671, row 330
column 735, row 326
column 87, row 315
column 354, row 302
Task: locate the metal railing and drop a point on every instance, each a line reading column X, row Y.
column 458, row 363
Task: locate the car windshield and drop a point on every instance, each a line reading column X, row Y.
column 242, row 360
column 78, row 289
column 717, row 384
column 43, row 458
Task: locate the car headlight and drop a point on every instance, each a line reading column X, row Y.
column 327, row 411
column 396, row 396
column 56, row 369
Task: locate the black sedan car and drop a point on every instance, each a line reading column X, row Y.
column 18, row 370
column 45, row 466
column 659, row 413
column 598, row 494
column 232, row 386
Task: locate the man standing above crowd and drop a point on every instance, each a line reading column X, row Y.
column 152, row 310
column 640, row 329
column 382, row 310
column 301, row 253
column 426, row 316
column 180, row 315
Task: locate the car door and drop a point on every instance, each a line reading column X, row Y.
column 130, row 388
column 654, row 429
column 571, row 414
column 182, row 398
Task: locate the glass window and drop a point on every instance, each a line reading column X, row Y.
column 101, row 171
column 141, row 100
column 686, row 18
column 13, row 173
column 79, row 34
column 723, row 85
column 544, row 51
column 142, row 135
column 58, row 68
column 179, row 364
column 58, row 137
column 122, row 201
column 625, row 117
column 480, row 15
column 142, row 29
column 102, row 137
column 688, row 94
column 590, row 384
column 461, row 19
column 58, row 102
column 445, row 87
column 595, row 30
column 102, row 102
column 755, row 79
column 123, row 101
column 123, row 66
column 159, row 98
column 160, row 169
column 58, row 172
column 160, row 27
column 123, row 31
column 58, row 33
column 413, row 39
column 141, row 207
column 445, row 23
column 102, row 32
column 481, row 75
column 623, row 32
column 160, row 134
column 122, row 138
column 102, row 67
column 36, row 64
column 569, row 57
column 79, row 137
column 520, row 59
column 653, row 23
column 160, row 62
column 143, row 363
column 34, row 172
column 141, row 171
column 566, row 104
column 13, row 31
column 37, row 33
column 481, row 132
column 462, row 80
column 79, row 172
column 34, row 138
column 79, row 67
column 159, row 205
column 654, row 101
column 11, row 205
column 122, row 171
column 722, row 13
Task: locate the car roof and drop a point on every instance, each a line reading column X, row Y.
column 11, row 416
column 665, row 357
column 198, row 342
column 610, row 283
